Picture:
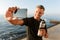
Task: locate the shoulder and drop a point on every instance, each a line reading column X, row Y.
column 28, row 19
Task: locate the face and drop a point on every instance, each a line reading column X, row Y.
column 39, row 12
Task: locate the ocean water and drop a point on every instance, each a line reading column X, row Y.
column 12, row 32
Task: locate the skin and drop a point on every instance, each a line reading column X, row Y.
column 38, row 13
column 14, row 20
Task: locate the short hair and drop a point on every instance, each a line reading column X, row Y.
column 41, row 7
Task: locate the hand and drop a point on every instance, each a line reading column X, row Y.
column 41, row 32
column 46, row 35
column 9, row 15
column 11, row 19
column 12, row 9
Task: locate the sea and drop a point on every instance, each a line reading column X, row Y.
column 12, row 32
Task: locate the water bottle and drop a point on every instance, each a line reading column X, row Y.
column 41, row 30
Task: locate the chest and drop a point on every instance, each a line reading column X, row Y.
column 34, row 25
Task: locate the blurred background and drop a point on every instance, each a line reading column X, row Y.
column 11, row 32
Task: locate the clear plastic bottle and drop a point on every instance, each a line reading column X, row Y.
column 41, row 30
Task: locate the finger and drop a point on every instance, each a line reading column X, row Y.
column 9, row 9
column 12, row 9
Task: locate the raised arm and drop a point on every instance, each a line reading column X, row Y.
column 11, row 19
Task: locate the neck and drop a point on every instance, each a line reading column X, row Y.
column 37, row 18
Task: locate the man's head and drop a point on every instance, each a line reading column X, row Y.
column 39, row 11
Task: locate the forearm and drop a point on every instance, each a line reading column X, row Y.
column 16, row 21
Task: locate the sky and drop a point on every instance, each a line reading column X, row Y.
column 52, row 7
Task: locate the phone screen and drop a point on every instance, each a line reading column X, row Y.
column 21, row 13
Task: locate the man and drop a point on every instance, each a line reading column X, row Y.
column 32, row 22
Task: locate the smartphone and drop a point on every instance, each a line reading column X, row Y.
column 20, row 13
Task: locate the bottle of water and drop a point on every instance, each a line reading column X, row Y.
column 41, row 30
